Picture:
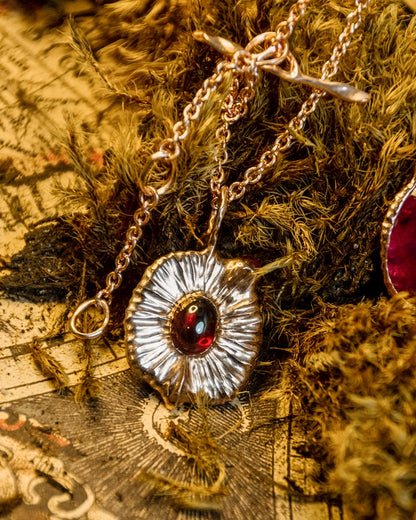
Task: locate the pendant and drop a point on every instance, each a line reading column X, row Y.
column 398, row 242
column 193, row 326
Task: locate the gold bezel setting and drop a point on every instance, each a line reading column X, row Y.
column 220, row 371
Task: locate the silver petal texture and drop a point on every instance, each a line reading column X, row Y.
column 221, row 370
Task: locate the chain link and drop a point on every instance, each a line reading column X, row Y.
column 297, row 11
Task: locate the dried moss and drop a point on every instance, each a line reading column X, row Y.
column 208, row 485
column 352, row 381
column 89, row 386
column 47, row 267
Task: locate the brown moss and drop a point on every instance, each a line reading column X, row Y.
column 89, row 386
column 48, row 365
column 352, row 379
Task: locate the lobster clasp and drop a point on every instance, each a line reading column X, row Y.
column 273, row 56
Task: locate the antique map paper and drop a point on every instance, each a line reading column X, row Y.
column 61, row 460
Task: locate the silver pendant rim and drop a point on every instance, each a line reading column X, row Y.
column 222, row 370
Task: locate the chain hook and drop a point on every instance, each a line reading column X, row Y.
column 272, row 56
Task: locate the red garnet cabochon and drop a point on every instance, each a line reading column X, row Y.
column 194, row 326
column 401, row 252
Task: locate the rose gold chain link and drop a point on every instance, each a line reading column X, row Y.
column 285, row 28
column 234, row 107
column 284, row 140
column 141, row 217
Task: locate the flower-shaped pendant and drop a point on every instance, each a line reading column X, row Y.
column 193, row 326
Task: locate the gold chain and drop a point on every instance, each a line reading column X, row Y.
column 141, row 217
column 244, row 66
column 285, row 139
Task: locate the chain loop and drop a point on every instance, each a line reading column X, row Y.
column 168, row 149
column 99, row 304
column 180, row 130
column 253, row 175
column 267, row 160
column 286, row 27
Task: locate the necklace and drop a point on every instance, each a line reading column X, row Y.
column 193, row 324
